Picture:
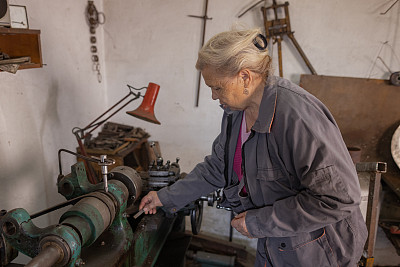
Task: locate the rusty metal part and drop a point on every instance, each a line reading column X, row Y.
column 374, row 171
column 278, row 27
column 7, row 252
column 375, row 167
column 47, row 257
column 91, row 173
column 369, row 262
column 204, row 18
column 114, row 135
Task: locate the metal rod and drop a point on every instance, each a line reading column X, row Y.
column 384, row 13
column 48, row 257
column 244, row 12
column 89, row 125
column 56, row 207
column 279, row 40
column 302, row 54
column 205, row 18
column 371, row 167
column 95, row 160
column 230, row 227
column 104, row 171
column 374, row 170
column 91, row 173
column 372, row 212
column 101, row 122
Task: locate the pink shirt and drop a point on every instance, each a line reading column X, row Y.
column 237, row 160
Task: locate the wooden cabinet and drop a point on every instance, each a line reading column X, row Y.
column 22, row 43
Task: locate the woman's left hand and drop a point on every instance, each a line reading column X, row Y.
column 239, row 223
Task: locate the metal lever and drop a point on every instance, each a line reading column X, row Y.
column 138, row 214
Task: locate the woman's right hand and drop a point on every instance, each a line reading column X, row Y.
column 150, row 202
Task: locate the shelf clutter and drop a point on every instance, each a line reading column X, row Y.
column 127, row 145
column 21, row 48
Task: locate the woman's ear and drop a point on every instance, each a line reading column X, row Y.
column 245, row 75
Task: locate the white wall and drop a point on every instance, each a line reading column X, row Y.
column 39, row 107
column 154, row 41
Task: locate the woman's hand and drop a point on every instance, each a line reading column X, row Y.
column 239, row 223
column 150, row 202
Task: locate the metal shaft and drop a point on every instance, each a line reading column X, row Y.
column 202, row 43
column 104, row 172
column 302, row 54
column 46, row 258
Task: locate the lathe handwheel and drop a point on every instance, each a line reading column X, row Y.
column 196, row 216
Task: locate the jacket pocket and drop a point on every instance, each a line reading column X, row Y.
column 308, row 249
column 270, row 174
column 327, row 182
column 272, row 185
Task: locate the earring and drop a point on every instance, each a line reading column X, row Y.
column 245, row 91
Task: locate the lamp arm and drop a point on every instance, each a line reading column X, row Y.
column 95, row 124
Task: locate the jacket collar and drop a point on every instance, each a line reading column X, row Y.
column 267, row 109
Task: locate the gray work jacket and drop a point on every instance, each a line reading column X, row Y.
column 303, row 191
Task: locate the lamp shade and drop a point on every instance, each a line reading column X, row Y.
column 146, row 110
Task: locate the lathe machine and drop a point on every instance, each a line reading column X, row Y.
column 99, row 228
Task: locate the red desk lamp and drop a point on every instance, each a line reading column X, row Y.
column 145, row 112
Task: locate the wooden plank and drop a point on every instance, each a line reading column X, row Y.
column 366, row 110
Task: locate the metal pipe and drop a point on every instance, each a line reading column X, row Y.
column 302, row 54
column 49, row 256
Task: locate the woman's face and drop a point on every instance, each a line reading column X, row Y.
column 228, row 90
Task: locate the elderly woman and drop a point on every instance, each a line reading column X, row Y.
column 280, row 159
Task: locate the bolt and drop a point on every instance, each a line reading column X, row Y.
column 103, row 243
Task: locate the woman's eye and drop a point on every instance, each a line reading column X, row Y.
column 217, row 88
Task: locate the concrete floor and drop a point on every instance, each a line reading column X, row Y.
column 385, row 253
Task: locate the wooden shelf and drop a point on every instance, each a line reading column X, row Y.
column 22, row 43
